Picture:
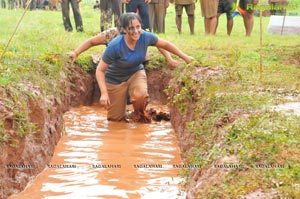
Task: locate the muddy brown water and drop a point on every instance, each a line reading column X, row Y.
column 139, row 160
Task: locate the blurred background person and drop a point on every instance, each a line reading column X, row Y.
column 209, row 10
column 3, row 4
column 226, row 6
column 247, row 13
column 65, row 7
column 109, row 9
column 142, row 7
column 106, row 12
column 189, row 6
column 157, row 13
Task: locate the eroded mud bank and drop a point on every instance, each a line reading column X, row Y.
column 28, row 156
column 23, row 158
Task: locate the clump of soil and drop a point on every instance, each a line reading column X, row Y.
column 149, row 115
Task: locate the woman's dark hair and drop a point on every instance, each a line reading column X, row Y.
column 126, row 18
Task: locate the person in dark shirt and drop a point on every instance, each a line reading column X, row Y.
column 121, row 72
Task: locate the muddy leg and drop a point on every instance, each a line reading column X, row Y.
column 139, row 100
column 138, row 91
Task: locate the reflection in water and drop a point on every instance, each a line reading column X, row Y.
column 102, row 159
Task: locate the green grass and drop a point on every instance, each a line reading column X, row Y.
column 258, row 135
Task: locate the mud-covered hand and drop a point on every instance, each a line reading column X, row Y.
column 188, row 59
column 72, row 55
column 172, row 63
column 104, row 100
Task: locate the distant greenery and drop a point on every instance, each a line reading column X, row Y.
column 36, row 56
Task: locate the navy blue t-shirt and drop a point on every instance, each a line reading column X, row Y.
column 124, row 62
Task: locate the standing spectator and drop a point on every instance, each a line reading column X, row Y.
column 143, row 9
column 189, row 6
column 53, row 4
column 3, row 4
column 21, row 4
column 157, row 12
column 33, row 4
column 11, row 4
column 117, row 10
column 209, row 9
column 106, row 14
column 108, row 8
column 247, row 13
column 66, row 15
column 226, row 6
column 46, row 5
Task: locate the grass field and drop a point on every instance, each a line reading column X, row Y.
column 37, row 52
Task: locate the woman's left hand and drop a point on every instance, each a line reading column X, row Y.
column 188, row 59
column 172, row 63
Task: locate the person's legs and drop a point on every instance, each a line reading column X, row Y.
column 160, row 13
column 117, row 10
column 209, row 9
column 152, row 17
column 248, row 14
column 139, row 97
column 106, row 18
column 217, row 23
column 144, row 14
column 117, row 96
column 178, row 10
column 248, row 18
column 190, row 10
column 3, row 4
column 210, row 25
column 66, row 15
column 77, row 15
column 229, row 24
column 229, row 6
column 213, row 25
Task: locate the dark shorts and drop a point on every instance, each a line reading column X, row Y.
column 226, row 6
column 248, row 5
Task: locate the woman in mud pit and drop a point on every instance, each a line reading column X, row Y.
column 121, row 69
column 103, row 38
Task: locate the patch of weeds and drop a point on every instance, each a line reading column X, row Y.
column 182, row 93
column 18, row 104
column 3, row 135
column 254, row 135
column 16, row 99
column 86, row 63
column 263, row 137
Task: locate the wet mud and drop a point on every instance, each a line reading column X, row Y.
column 97, row 158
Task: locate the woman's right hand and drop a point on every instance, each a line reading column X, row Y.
column 104, row 100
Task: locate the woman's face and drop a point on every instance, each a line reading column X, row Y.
column 134, row 30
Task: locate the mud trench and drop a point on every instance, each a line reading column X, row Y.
column 96, row 158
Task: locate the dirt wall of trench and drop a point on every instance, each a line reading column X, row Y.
column 29, row 155
column 35, row 151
